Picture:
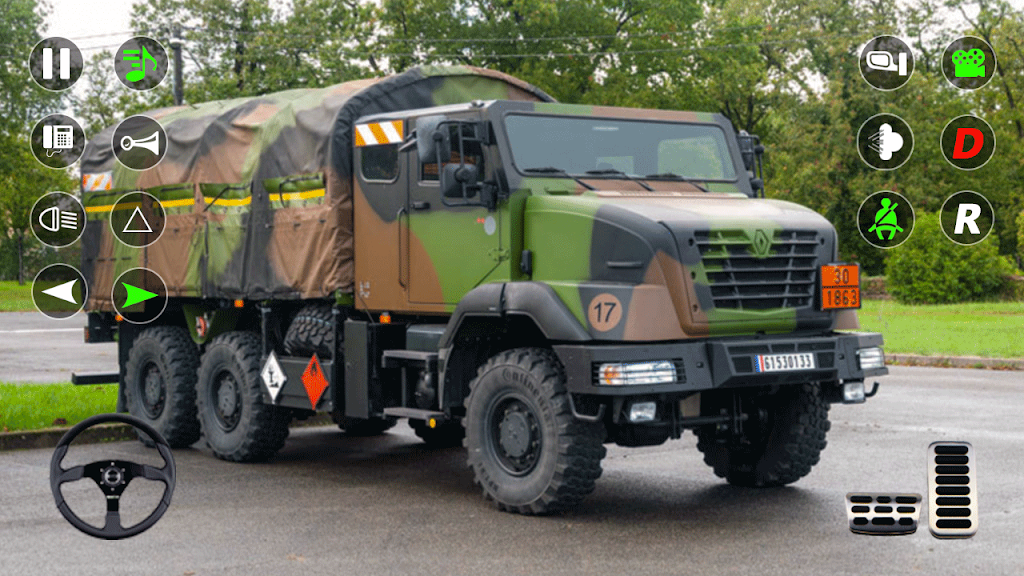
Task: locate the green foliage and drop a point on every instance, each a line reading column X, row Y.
column 258, row 46
column 930, row 269
column 15, row 297
column 990, row 329
column 35, row 406
column 22, row 178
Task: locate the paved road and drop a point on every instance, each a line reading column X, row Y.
column 34, row 348
column 332, row 505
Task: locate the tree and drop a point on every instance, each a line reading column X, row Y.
column 253, row 47
column 22, row 178
column 594, row 51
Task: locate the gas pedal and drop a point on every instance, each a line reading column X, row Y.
column 883, row 514
column 952, row 490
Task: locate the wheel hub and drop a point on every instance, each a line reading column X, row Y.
column 228, row 402
column 515, row 436
column 153, row 391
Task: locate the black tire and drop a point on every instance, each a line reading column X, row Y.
column 785, row 437
column 447, row 434
column 160, row 384
column 527, row 451
column 362, row 427
column 237, row 425
column 311, row 331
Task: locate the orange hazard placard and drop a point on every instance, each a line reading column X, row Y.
column 314, row 380
column 840, row 286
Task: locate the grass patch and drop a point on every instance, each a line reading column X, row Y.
column 989, row 329
column 35, row 406
column 14, row 298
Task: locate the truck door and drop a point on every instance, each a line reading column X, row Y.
column 450, row 249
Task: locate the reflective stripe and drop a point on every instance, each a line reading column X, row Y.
column 379, row 133
column 94, row 182
column 229, row 201
column 297, row 195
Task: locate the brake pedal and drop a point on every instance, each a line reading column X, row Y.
column 883, row 514
column 952, row 490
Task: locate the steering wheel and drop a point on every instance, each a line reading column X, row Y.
column 112, row 477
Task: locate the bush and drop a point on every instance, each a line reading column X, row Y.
column 930, row 269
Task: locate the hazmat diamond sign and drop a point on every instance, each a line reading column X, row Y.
column 273, row 376
column 314, row 381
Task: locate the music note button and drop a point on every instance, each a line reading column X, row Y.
column 140, row 63
column 139, row 142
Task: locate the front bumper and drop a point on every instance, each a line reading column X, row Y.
column 722, row 363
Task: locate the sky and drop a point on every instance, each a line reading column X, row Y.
column 82, row 20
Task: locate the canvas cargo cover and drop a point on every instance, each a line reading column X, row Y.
column 258, row 191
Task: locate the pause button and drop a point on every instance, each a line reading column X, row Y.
column 55, row 63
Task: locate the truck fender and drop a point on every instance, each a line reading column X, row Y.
column 535, row 300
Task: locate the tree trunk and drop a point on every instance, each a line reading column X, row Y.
column 21, row 264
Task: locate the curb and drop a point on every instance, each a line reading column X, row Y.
column 956, row 362
column 48, row 437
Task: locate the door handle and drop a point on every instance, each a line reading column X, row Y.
column 421, row 205
column 401, row 261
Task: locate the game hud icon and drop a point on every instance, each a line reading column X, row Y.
column 968, row 142
column 885, row 142
column 886, row 62
column 885, row 219
column 140, row 63
column 969, row 63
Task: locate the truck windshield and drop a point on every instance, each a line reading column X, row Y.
column 613, row 148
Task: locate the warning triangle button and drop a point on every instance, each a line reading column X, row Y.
column 137, row 223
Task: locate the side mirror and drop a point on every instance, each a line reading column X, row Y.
column 457, row 178
column 747, row 145
column 432, row 139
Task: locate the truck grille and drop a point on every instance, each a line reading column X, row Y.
column 772, row 270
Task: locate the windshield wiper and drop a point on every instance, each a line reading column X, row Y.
column 613, row 171
column 553, row 170
column 681, row 178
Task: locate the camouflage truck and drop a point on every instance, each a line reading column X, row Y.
column 529, row 279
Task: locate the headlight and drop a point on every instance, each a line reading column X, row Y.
column 636, row 373
column 643, row 412
column 853, row 393
column 871, row 358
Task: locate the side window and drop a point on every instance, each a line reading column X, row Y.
column 380, row 163
column 474, row 154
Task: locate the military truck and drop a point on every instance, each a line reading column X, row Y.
column 528, row 279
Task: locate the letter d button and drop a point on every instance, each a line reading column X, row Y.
column 968, row 142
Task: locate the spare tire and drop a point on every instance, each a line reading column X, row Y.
column 311, row 331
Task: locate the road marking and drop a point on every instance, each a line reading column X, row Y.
column 40, row 330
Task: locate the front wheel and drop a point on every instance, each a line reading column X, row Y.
column 527, row 451
column 782, row 440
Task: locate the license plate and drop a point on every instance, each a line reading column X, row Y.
column 784, row 362
column 840, row 286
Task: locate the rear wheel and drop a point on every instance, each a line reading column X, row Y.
column 445, row 435
column 527, row 451
column 782, row 440
column 160, row 384
column 237, row 424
